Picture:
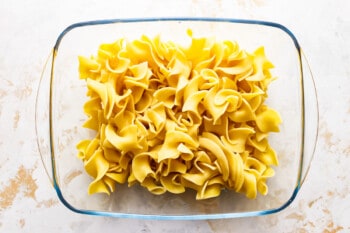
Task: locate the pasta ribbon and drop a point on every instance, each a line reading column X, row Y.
column 172, row 117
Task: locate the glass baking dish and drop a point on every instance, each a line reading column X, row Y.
column 59, row 119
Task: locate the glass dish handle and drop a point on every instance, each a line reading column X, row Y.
column 42, row 123
column 311, row 117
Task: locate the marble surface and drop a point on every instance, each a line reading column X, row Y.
column 28, row 29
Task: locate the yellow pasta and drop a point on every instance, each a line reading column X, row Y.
column 171, row 117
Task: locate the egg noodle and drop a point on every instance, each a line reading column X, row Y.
column 172, row 117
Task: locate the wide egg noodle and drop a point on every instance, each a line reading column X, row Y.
column 171, row 117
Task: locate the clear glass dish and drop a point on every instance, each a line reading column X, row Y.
column 59, row 119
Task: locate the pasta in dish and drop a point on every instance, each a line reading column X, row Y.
column 171, row 117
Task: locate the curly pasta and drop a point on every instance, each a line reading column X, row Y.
column 170, row 117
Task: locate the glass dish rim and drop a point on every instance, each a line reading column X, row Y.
column 172, row 216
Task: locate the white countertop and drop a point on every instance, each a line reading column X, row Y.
column 28, row 29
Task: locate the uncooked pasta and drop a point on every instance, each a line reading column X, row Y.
column 172, row 117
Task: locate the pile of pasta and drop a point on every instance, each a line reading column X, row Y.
column 172, row 117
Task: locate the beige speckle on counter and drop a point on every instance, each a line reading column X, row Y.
column 71, row 176
column 16, row 119
column 22, row 222
column 311, row 203
column 47, row 203
column 22, row 183
column 296, row 216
